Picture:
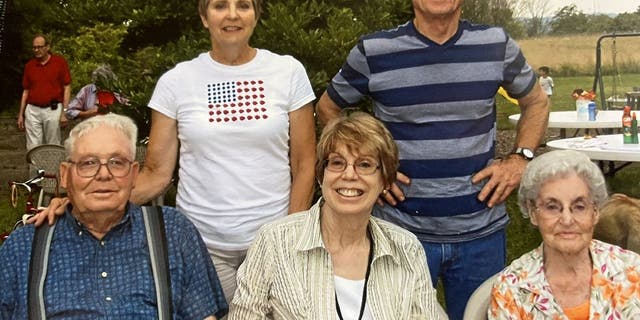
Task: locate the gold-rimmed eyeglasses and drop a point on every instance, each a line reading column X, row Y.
column 89, row 167
column 363, row 166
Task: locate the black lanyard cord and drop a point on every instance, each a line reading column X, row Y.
column 364, row 289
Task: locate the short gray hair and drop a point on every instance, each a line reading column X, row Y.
column 103, row 73
column 556, row 164
column 121, row 123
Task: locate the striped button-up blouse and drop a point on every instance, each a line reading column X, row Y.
column 288, row 274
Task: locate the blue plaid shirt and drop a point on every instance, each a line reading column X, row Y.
column 111, row 278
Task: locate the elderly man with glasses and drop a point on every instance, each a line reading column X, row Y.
column 100, row 262
column 46, row 84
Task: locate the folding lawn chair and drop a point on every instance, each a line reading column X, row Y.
column 47, row 157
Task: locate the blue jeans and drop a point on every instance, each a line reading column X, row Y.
column 463, row 266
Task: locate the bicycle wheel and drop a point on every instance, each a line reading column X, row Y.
column 14, row 195
column 18, row 224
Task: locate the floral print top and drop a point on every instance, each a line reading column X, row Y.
column 521, row 291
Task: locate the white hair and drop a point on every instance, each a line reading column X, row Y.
column 121, row 123
column 556, row 164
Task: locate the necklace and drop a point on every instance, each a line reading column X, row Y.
column 364, row 288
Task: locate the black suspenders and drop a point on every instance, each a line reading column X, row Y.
column 157, row 243
column 158, row 255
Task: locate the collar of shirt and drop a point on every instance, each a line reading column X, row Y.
column 311, row 237
column 117, row 230
column 540, row 288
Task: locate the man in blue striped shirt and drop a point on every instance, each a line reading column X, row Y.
column 99, row 263
column 433, row 81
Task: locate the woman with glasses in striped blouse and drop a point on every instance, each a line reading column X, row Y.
column 336, row 261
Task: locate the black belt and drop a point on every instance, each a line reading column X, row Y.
column 53, row 105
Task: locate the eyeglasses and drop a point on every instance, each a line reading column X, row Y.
column 362, row 166
column 38, row 47
column 554, row 209
column 88, row 168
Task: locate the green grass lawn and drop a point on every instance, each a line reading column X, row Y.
column 8, row 214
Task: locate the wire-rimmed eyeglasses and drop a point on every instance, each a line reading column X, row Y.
column 554, row 209
column 89, row 167
column 362, row 166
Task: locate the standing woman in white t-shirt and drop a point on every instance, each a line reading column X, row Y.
column 242, row 119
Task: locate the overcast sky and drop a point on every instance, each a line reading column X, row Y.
column 596, row 6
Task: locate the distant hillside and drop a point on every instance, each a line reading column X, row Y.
column 573, row 55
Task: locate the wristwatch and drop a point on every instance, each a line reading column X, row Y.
column 525, row 153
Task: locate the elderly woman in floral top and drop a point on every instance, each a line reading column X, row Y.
column 571, row 275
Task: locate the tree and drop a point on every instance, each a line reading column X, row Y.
column 536, row 11
column 569, row 20
column 143, row 39
column 627, row 22
column 493, row 12
column 10, row 64
column 321, row 35
column 600, row 23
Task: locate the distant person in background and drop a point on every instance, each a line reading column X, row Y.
column 95, row 98
column 46, row 84
column 546, row 82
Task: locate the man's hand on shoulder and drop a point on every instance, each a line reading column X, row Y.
column 394, row 194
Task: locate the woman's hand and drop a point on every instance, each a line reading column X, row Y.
column 56, row 208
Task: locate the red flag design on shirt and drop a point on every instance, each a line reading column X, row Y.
column 233, row 101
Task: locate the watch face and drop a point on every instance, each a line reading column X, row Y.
column 527, row 153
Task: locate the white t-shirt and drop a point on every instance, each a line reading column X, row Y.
column 547, row 85
column 233, row 127
column 349, row 294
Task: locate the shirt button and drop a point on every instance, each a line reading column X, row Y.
column 107, row 298
column 103, row 274
column 80, row 233
column 102, row 243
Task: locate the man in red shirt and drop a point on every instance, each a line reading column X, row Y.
column 46, row 87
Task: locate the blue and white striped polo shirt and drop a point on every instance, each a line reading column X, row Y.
column 438, row 102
